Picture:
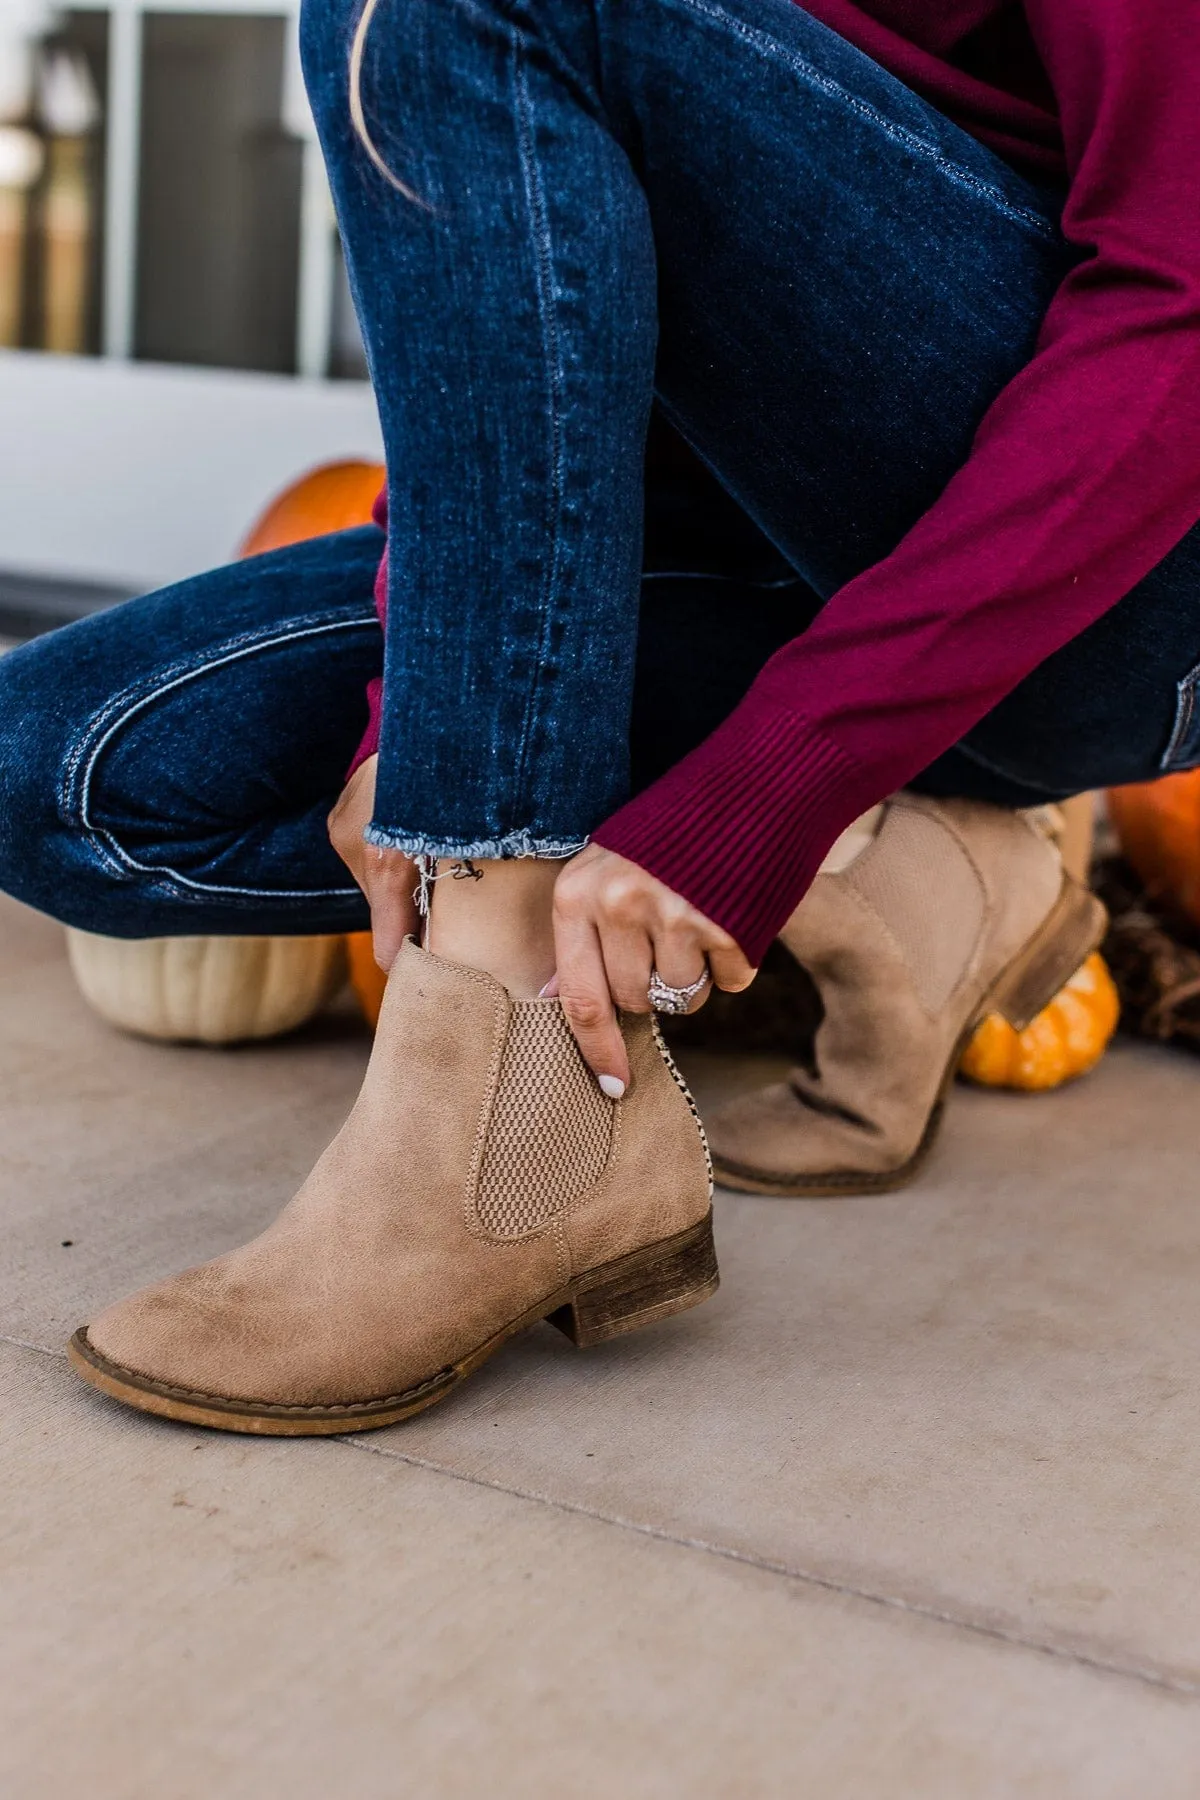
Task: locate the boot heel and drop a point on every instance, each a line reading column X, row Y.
column 650, row 1284
column 1069, row 934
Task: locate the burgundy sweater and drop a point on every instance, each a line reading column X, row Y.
column 1083, row 474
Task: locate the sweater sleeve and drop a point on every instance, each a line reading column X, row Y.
column 1084, row 473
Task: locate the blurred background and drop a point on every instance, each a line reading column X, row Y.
column 177, row 339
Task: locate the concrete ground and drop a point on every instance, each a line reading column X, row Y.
column 912, row 1509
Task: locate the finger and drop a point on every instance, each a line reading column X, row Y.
column 587, row 1002
column 347, row 839
column 628, row 959
column 355, row 860
column 389, row 883
column 730, row 969
column 680, row 960
column 350, row 815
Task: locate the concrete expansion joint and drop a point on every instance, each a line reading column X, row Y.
column 24, row 1344
column 1164, row 1680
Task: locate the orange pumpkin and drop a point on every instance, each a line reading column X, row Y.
column 331, row 498
column 1067, row 1038
column 366, row 977
column 1158, row 824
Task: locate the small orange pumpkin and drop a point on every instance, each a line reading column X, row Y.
column 1067, row 1038
column 366, row 977
column 1158, row 824
column 330, row 498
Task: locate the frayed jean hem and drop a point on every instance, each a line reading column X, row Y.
column 501, row 849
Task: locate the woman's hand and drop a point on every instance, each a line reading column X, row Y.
column 613, row 924
column 388, row 878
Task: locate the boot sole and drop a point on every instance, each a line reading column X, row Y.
column 620, row 1296
column 1071, row 930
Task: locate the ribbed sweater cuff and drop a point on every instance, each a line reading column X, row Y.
column 741, row 826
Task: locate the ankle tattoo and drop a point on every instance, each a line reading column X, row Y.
column 428, row 872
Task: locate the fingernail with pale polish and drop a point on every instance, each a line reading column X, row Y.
column 610, row 1085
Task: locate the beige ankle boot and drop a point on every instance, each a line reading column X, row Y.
column 482, row 1182
column 953, row 910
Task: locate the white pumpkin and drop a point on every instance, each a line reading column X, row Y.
column 207, row 990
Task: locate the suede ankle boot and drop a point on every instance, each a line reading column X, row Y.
column 482, row 1182
column 953, row 910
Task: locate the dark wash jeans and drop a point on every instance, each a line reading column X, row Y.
column 824, row 281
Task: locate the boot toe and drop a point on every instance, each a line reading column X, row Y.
column 772, row 1142
column 254, row 1329
column 177, row 1334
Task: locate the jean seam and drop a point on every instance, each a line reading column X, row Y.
column 535, row 199
column 771, row 48
column 75, row 790
column 1185, row 712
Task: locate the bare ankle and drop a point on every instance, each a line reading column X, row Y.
column 496, row 916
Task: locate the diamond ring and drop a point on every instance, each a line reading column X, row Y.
column 666, row 999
